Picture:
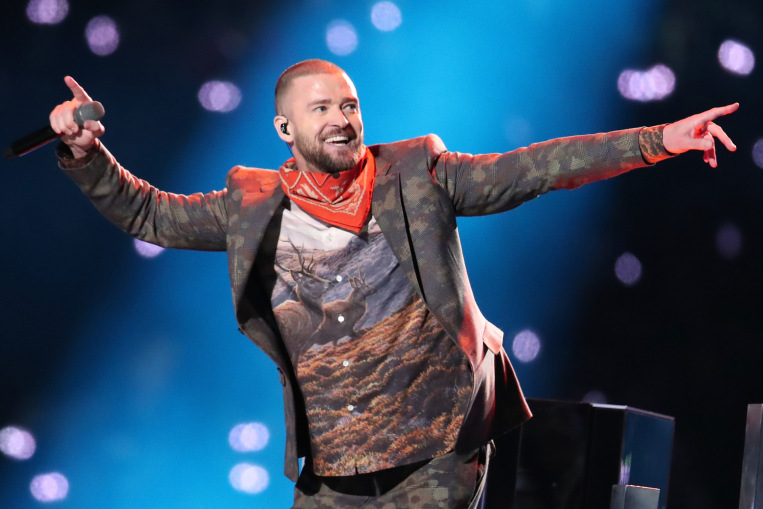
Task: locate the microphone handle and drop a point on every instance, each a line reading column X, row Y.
column 88, row 111
column 30, row 142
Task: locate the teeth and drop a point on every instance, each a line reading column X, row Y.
column 337, row 139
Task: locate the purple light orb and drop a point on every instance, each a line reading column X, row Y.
column 249, row 478
column 146, row 249
column 386, row 16
column 17, row 443
column 728, row 241
column 47, row 12
column 526, row 346
column 341, row 37
column 736, row 57
column 219, row 96
column 102, row 35
column 249, row 437
column 757, row 153
column 654, row 84
column 50, row 487
column 628, row 269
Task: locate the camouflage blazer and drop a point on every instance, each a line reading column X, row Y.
column 419, row 191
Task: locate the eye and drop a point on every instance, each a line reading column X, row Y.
column 351, row 107
column 320, row 109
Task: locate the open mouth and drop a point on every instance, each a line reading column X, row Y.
column 337, row 140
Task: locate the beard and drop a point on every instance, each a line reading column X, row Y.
column 314, row 152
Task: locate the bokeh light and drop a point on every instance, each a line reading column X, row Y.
column 17, row 443
column 49, row 487
column 654, row 84
column 47, row 12
column 102, row 35
column 386, row 16
column 728, row 241
column 736, row 57
column 595, row 396
column 146, row 249
column 526, row 346
column 341, row 37
column 628, row 269
column 249, row 437
column 249, row 478
column 219, row 96
column 757, row 153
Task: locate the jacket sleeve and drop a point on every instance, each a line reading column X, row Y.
column 196, row 221
column 491, row 183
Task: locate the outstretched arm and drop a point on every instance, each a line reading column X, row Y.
column 698, row 132
column 197, row 221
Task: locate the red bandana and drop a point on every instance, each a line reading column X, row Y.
column 341, row 199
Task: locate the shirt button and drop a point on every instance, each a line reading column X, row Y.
column 346, row 363
column 340, row 318
column 339, row 278
column 350, row 408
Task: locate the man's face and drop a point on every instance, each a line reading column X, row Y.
column 325, row 122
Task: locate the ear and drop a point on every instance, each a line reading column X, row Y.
column 277, row 122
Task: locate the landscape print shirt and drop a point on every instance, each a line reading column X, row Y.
column 383, row 383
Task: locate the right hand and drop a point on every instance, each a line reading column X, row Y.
column 79, row 139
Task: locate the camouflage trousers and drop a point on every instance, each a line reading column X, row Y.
column 450, row 481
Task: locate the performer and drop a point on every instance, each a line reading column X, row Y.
column 346, row 270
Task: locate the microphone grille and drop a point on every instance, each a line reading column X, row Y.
column 88, row 111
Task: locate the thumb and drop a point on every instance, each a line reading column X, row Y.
column 704, row 142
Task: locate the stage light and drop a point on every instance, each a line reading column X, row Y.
column 628, row 269
column 386, row 16
column 526, row 346
column 146, row 249
column 102, row 35
column 728, row 241
column 17, row 443
column 736, row 57
column 341, row 37
column 654, row 84
column 219, row 96
column 47, row 12
column 249, row 437
column 757, row 153
column 49, row 487
column 249, row 478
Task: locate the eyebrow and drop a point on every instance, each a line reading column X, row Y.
column 318, row 102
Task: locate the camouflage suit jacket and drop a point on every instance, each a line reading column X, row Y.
column 419, row 190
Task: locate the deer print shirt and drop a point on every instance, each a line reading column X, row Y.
column 383, row 383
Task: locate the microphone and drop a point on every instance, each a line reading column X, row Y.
column 88, row 111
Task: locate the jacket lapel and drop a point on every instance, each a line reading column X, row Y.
column 256, row 194
column 387, row 208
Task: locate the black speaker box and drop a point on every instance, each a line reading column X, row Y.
column 570, row 454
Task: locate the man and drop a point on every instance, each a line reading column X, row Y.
column 346, row 269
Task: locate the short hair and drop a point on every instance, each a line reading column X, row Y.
column 304, row 68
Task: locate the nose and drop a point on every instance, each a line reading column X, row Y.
column 338, row 118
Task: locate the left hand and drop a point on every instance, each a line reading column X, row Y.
column 698, row 132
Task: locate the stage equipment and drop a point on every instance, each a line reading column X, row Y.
column 569, row 455
column 752, row 461
column 626, row 496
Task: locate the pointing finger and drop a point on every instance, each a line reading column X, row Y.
column 78, row 92
column 712, row 114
